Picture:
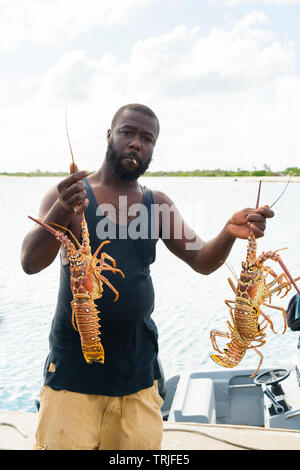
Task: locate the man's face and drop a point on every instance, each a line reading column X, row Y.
column 131, row 143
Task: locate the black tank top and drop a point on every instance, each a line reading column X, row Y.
column 128, row 333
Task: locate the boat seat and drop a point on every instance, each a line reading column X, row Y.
column 194, row 400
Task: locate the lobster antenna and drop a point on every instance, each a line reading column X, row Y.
column 69, row 136
column 232, row 270
column 258, row 195
column 67, row 230
column 73, row 166
column 282, row 191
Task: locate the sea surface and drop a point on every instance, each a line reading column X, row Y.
column 188, row 305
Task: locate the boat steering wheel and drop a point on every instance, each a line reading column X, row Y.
column 271, row 377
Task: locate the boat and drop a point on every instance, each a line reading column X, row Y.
column 229, row 409
column 210, row 409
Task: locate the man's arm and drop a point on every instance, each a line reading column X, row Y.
column 40, row 248
column 206, row 257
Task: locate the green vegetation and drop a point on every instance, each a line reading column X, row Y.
column 233, row 173
column 218, row 172
column 34, row 173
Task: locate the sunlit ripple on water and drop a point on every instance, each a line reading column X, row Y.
column 188, row 305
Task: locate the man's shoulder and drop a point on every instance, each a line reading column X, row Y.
column 161, row 198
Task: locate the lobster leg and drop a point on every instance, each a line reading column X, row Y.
column 260, row 343
column 97, row 251
column 227, row 302
column 260, row 362
column 266, row 317
column 230, row 308
column 232, row 286
column 286, row 285
column 102, row 278
column 110, row 268
column 106, row 256
column 104, row 265
column 260, row 328
column 277, row 279
column 283, row 313
column 73, row 316
column 269, row 271
column 275, row 257
column 213, row 335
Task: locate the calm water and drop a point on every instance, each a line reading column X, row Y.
column 188, row 305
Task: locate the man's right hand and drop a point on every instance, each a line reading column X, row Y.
column 58, row 206
column 71, row 193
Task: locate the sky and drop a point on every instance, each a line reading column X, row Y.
column 223, row 77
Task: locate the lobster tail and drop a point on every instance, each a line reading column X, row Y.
column 86, row 315
column 234, row 351
column 226, row 361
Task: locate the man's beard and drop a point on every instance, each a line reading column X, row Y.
column 114, row 163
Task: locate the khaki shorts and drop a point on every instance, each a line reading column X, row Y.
column 76, row 421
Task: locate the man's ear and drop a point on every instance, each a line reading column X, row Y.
column 108, row 133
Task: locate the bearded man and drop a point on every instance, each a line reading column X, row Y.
column 116, row 405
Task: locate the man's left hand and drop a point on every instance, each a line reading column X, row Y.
column 243, row 222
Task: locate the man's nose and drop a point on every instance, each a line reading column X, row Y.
column 135, row 143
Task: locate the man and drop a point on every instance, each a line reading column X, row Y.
column 116, row 405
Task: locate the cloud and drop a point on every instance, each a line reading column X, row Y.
column 224, row 99
column 230, row 3
column 69, row 80
column 51, row 21
column 180, row 64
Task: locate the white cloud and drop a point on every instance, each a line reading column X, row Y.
column 51, row 21
column 69, row 79
column 181, row 63
column 226, row 99
column 230, row 3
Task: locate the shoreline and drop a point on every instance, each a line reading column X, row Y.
column 270, row 179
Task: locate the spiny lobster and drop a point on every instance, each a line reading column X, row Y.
column 252, row 291
column 86, row 281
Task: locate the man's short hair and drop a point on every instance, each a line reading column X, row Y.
column 135, row 107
